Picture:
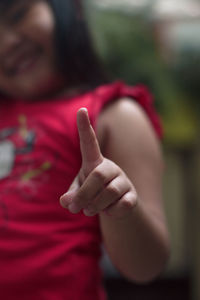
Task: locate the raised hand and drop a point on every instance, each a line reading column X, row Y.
column 100, row 186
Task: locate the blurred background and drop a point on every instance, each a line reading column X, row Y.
column 157, row 42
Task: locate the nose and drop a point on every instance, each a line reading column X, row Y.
column 10, row 40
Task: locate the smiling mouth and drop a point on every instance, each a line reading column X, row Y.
column 20, row 61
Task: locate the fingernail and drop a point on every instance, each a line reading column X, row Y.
column 85, row 109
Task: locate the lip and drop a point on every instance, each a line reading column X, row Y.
column 21, row 60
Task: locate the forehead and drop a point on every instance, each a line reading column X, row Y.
column 6, row 5
column 9, row 7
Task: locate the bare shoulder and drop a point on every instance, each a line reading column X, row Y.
column 128, row 138
column 122, row 105
column 124, row 112
column 125, row 123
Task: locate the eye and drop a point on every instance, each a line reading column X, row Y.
column 15, row 12
column 16, row 15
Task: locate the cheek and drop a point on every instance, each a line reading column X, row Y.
column 42, row 37
column 39, row 26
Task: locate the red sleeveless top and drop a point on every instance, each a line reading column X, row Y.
column 47, row 253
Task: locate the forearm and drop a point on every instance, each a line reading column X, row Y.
column 134, row 235
column 138, row 244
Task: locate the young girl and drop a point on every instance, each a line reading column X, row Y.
column 108, row 180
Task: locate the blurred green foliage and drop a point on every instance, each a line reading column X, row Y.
column 187, row 73
column 129, row 51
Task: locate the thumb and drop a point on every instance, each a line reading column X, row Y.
column 68, row 197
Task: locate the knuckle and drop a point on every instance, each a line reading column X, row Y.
column 129, row 200
column 98, row 175
column 113, row 190
column 127, row 204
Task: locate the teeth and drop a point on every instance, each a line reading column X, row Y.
column 20, row 61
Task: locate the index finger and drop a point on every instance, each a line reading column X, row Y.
column 90, row 150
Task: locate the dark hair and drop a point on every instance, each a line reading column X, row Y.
column 77, row 58
column 76, row 55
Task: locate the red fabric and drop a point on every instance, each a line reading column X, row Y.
column 46, row 253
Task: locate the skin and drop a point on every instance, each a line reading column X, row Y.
column 121, row 175
column 27, row 58
column 125, row 193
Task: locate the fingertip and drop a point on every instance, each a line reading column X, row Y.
column 66, row 199
column 62, row 202
column 82, row 112
column 83, row 120
column 83, row 109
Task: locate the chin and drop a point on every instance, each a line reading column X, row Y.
column 30, row 94
column 40, row 88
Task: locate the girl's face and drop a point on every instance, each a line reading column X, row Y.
column 27, row 59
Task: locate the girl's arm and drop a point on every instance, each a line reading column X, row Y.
column 123, row 186
column 137, row 242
